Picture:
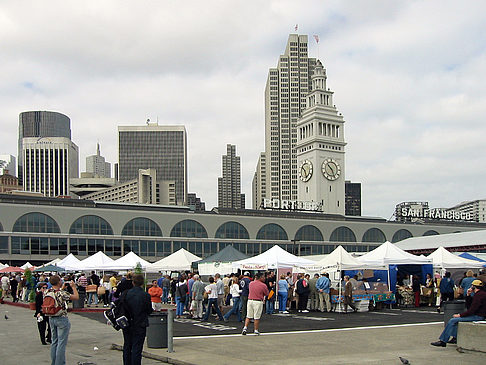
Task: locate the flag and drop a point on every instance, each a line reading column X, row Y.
column 316, row 37
column 296, row 27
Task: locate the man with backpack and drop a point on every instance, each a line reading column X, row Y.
column 55, row 307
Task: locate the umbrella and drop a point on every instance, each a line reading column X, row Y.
column 49, row 268
column 11, row 269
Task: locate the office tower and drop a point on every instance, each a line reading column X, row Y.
column 153, row 146
column 7, row 162
column 285, row 98
column 41, row 124
column 195, row 203
column 49, row 164
column 97, row 165
column 353, row 198
column 320, row 148
column 229, row 186
column 259, row 183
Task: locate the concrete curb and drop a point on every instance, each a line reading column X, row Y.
column 151, row 356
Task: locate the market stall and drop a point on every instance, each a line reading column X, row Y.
column 220, row 262
column 274, row 258
column 69, row 263
column 127, row 262
column 95, row 262
column 180, row 260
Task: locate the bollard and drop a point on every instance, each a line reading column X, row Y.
column 170, row 330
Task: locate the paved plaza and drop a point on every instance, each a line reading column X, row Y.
column 312, row 338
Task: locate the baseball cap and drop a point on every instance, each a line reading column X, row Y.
column 477, row 283
column 247, row 273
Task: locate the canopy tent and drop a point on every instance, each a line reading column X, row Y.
column 95, row 262
column 27, row 265
column 51, row 268
column 2, row 266
column 9, row 269
column 390, row 254
column 127, row 262
column 179, row 261
column 273, row 258
column 220, row 262
column 70, row 263
column 441, row 258
column 340, row 259
column 466, row 255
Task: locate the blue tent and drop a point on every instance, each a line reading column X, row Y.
column 468, row 256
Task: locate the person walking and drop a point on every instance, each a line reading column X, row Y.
column 416, row 290
column 180, row 296
column 257, row 293
column 93, row 281
column 197, row 297
column 313, row 302
column 348, row 295
column 430, row 285
column 13, row 288
column 165, row 289
column 245, row 287
column 323, row 286
column 283, row 290
column 446, row 289
column 234, row 291
column 212, row 291
column 270, row 300
column 59, row 322
column 42, row 320
column 476, row 296
column 139, row 307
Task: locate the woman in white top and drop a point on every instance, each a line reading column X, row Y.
column 235, row 292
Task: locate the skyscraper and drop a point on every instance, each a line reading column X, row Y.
column 353, row 198
column 229, row 186
column 41, row 124
column 97, row 165
column 259, row 183
column 160, row 147
column 285, row 98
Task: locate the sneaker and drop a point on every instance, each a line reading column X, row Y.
column 225, row 319
column 285, row 312
column 243, row 332
column 453, row 340
column 257, row 333
column 305, row 311
column 439, row 344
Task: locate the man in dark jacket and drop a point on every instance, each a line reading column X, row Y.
column 139, row 307
column 303, row 290
column 476, row 312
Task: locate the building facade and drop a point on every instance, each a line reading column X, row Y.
column 40, row 124
column 476, row 209
column 8, row 162
column 40, row 229
column 353, row 198
column 159, row 147
column 48, row 165
column 320, row 148
column 229, row 185
column 8, row 183
column 194, row 203
column 259, row 183
column 285, row 98
column 97, row 165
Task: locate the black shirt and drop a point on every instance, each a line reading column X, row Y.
column 139, row 305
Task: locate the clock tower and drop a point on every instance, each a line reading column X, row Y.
column 320, row 148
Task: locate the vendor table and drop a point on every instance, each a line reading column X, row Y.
column 383, row 297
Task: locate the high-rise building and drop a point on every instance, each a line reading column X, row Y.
column 40, row 124
column 229, row 186
column 476, row 209
column 353, row 198
column 320, row 148
column 285, row 98
column 195, row 203
column 7, row 162
column 48, row 165
column 259, row 183
column 97, row 165
column 159, row 147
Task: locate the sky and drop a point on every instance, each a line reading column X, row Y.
column 408, row 77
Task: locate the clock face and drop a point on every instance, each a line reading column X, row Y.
column 305, row 170
column 331, row 169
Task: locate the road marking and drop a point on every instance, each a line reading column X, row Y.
column 418, row 311
column 386, row 314
column 208, row 325
column 315, row 331
column 305, row 317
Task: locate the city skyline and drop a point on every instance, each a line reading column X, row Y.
column 407, row 77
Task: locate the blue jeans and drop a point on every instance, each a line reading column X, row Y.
column 90, row 297
column 165, row 295
column 235, row 309
column 180, row 305
column 60, row 330
column 451, row 327
column 213, row 302
column 269, row 304
column 282, row 301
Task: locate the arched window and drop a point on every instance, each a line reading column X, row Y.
column 401, row 235
column 36, row 222
column 342, row 234
column 141, row 227
column 431, row 233
column 232, row 230
column 271, row 231
column 91, row 224
column 190, row 229
column 309, row 233
column 374, row 235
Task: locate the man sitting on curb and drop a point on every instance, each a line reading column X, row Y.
column 476, row 312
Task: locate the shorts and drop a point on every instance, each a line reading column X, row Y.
column 254, row 309
column 220, row 300
column 157, row 307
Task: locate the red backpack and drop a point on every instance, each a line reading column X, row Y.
column 50, row 305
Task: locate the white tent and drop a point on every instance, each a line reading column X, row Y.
column 2, row 266
column 390, row 254
column 27, row 265
column 340, row 259
column 441, row 258
column 95, row 262
column 127, row 262
column 70, row 263
column 273, row 258
column 179, row 261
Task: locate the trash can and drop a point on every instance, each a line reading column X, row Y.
column 79, row 303
column 452, row 307
column 157, row 330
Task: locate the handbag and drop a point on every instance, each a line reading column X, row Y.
column 101, row 290
column 270, row 294
column 91, row 288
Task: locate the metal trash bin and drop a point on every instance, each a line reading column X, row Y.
column 452, row 307
column 79, row 303
column 157, row 330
